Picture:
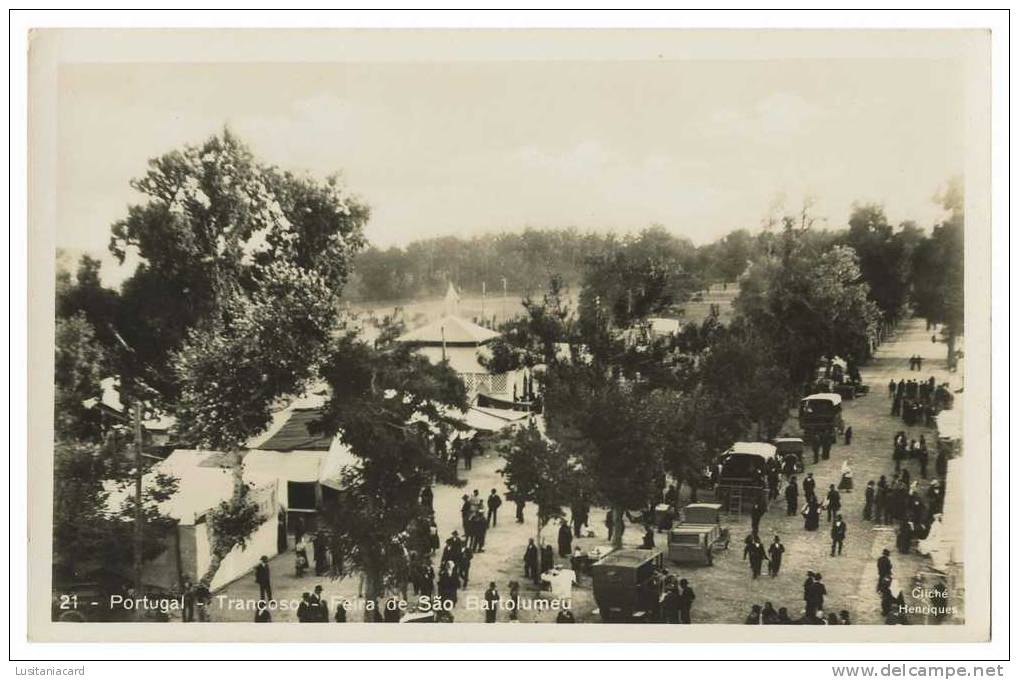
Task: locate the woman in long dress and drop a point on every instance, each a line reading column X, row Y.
column 846, row 482
column 811, row 514
column 933, row 540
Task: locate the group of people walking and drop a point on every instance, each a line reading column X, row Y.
column 756, row 554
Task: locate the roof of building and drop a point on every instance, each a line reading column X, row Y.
column 451, row 329
column 110, row 399
column 492, row 419
column 204, row 480
column 294, row 435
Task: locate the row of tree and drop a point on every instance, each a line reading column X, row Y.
column 624, row 408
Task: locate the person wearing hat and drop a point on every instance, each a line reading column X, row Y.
column 262, row 578
column 686, row 598
column 491, row 603
column 807, row 585
column 884, row 567
column 838, row 535
column 775, row 551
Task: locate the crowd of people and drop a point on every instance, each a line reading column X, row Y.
column 902, row 501
column 918, row 402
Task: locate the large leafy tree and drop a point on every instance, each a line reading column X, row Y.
column 84, row 294
column 727, row 258
column 611, row 429
column 745, row 391
column 538, row 471
column 81, row 362
column 885, row 257
column 806, row 301
column 939, row 270
column 92, row 536
column 214, row 218
column 242, row 268
column 390, row 406
column 648, row 274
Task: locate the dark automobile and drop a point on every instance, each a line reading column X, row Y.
column 790, row 448
column 821, row 415
column 626, row 584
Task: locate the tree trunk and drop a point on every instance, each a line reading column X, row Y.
column 617, row 528
column 372, row 593
column 215, row 559
column 950, row 341
column 218, row 551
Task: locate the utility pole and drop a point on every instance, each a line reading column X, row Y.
column 138, row 517
column 505, row 309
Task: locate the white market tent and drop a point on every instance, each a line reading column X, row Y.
column 451, row 330
column 492, row 419
column 950, row 425
column 203, row 482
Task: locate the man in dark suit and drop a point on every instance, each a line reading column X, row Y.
column 808, row 595
column 494, row 501
column 884, row 567
column 775, row 552
column 491, row 603
column 756, row 513
column 262, row 578
column 686, row 598
column 818, row 591
column 838, row 535
column 792, row 496
column 755, row 552
column 670, row 605
column 834, row 502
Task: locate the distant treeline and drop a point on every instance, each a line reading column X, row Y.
column 526, row 260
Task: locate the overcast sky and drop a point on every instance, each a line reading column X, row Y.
column 700, row 147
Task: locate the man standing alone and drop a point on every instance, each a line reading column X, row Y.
column 884, row 567
column 838, row 535
column 686, row 598
column 756, row 513
column 792, row 495
column 834, row 502
column 262, row 579
column 493, row 507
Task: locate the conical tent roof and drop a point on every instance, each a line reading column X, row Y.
column 449, row 329
column 452, row 301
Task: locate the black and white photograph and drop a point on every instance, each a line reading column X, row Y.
column 687, row 329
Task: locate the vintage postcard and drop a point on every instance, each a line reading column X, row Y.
column 688, row 329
